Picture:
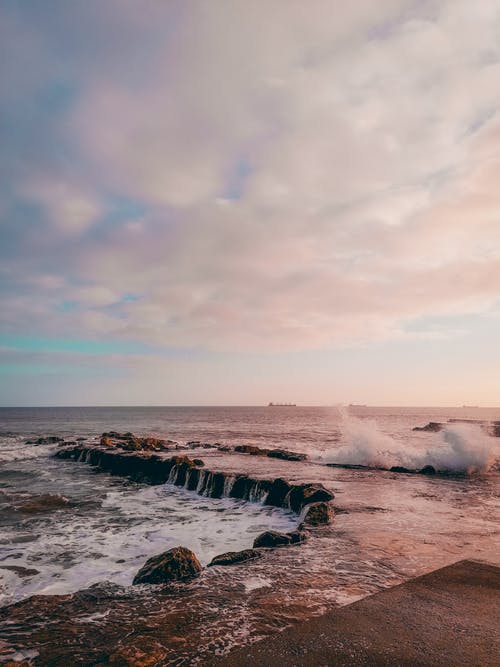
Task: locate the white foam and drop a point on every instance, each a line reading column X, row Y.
column 113, row 542
column 460, row 448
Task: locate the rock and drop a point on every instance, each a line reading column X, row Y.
column 433, row 427
column 252, row 450
column 297, row 536
column 318, row 514
column 198, row 462
column 49, row 440
column 20, row 571
column 400, row 469
column 106, row 441
column 277, row 493
column 235, row 557
column 45, row 502
column 177, row 564
column 305, row 494
column 427, row 470
column 271, row 538
column 286, row 455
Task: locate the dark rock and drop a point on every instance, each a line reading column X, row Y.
column 20, row 571
column 235, row 557
column 297, row 536
column 106, row 441
column 428, row 470
column 271, row 538
column 318, row 514
column 286, row 455
column 198, row 462
column 401, row 469
column 277, row 493
column 177, row 564
column 49, row 440
column 252, row 450
column 224, row 448
column 433, row 427
column 305, row 494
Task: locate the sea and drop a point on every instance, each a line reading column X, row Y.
column 65, row 526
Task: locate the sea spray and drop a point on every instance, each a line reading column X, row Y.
column 459, row 448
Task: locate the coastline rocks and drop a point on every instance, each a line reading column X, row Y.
column 177, row 564
column 270, row 539
column 132, row 443
column 283, row 454
column 432, row 427
column 427, row 470
column 305, row 494
column 49, row 440
column 318, row 514
column 235, row 557
column 297, row 536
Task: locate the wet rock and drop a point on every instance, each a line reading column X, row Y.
column 305, row 494
column 277, row 493
column 297, row 536
column 144, row 652
column 20, row 571
column 45, row 502
column 177, row 564
column 235, row 557
column 401, row 469
column 318, row 514
column 49, row 440
column 432, row 427
column 106, row 441
column 271, row 538
column 198, row 462
column 427, row 470
column 286, row 455
column 252, row 450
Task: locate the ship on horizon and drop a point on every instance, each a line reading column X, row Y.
column 281, row 405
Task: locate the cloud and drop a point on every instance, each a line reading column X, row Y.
column 309, row 178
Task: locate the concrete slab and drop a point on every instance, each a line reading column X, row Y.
column 449, row 617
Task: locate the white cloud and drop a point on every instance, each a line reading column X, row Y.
column 369, row 145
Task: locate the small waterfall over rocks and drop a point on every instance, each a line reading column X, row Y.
column 185, row 472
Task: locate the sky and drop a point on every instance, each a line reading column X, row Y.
column 236, row 202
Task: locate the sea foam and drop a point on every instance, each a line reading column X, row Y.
column 459, row 448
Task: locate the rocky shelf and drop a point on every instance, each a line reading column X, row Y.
column 191, row 474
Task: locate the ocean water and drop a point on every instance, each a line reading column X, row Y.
column 65, row 526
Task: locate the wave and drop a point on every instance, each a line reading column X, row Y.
column 459, row 448
column 15, row 449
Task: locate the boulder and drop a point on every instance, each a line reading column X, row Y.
column 297, row 536
column 253, row 450
column 305, row 494
column 49, row 440
column 177, row 564
column 318, row 514
column 277, row 493
column 286, row 455
column 235, row 557
column 271, row 538
column 428, row 470
column 432, row 427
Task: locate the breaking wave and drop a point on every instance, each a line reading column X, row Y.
column 459, row 448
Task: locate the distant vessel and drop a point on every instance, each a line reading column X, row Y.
column 358, row 405
column 281, row 405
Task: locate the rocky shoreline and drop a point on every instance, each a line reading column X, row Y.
column 311, row 502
